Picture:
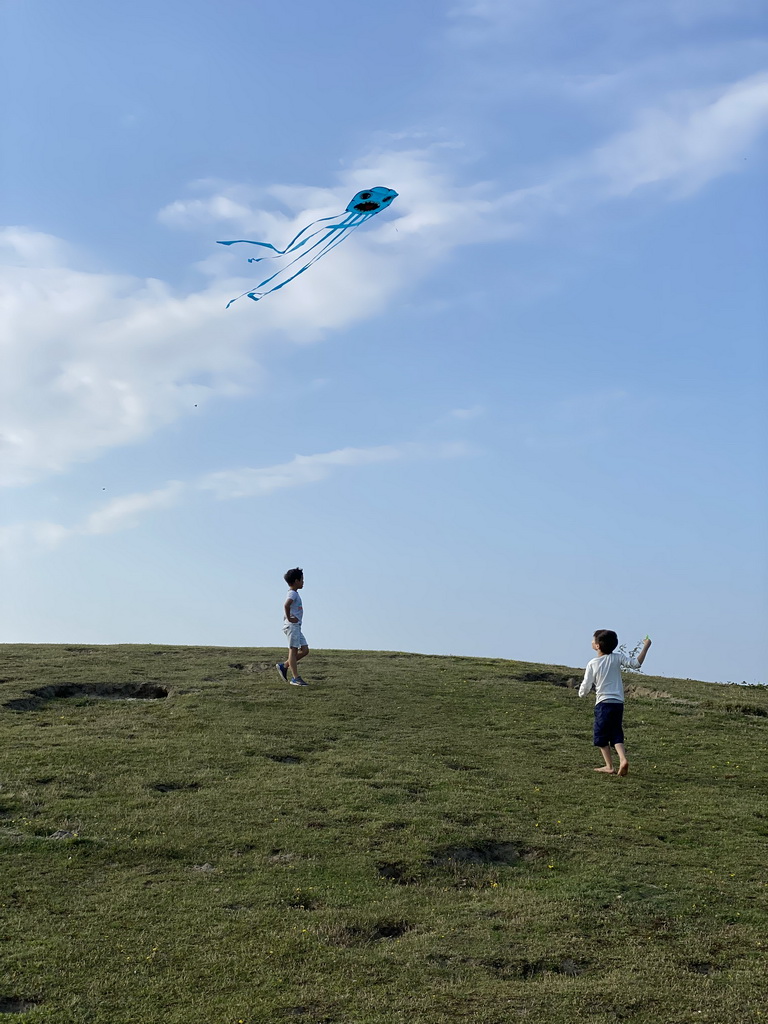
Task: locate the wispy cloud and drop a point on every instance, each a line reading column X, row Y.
column 579, row 420
column 687, row 143
column 17, row 538
column 123, row 513
column 470, row 413
column 597, row 62
column 120, row 514
column 128, row 511
column 302, row 469
column 494, row 16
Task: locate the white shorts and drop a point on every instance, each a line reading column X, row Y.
column 295, row 637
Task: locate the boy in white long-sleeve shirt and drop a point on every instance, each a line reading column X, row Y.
column 604, row 675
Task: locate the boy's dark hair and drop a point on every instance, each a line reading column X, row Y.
column 606, row 640
column 295, row 574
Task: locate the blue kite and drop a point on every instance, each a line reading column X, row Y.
column 334, row 229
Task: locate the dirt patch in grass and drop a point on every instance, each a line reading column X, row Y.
column 312, row 1014
column 528, row 969
column 300, row 901
column 545, row 676
column 15, row 1004
column 282, row 857
column 745, row 709
column 701, row 967
column 284, row 758
column 637, row 690
column 633, row 690
column 482, row 853
column 477, row 865
column 458, row 860
column 362, row 934
column 398, row 872
column 175, row 787
column 103, row 691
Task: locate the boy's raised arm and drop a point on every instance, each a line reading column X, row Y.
column 642, row 654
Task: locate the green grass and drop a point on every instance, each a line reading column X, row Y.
column 410, row 839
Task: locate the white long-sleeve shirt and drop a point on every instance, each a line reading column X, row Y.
column 604, row 675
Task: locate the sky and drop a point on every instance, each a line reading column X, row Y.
column 525, row 402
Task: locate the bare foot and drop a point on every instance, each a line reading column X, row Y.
column 605, row 771
column 623, row 768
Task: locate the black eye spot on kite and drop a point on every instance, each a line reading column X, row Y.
column 365, row 195
column 367, row 207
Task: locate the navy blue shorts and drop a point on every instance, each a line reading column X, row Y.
column 609, row 715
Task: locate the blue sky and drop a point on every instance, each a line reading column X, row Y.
column 526, row 402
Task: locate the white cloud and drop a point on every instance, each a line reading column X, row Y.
column 305, row 469
column 123, row 513
column 20, row 247
column 470, row 413
column 494, row 16
column 689, row 142
column 18, row 537
column 95, row 360
column 598, row 61
column 210, row 210
column 302, row 469
column 126, row 512
column 120, row 514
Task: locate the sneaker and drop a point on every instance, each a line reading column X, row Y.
column 298, row 681
column 282, row 670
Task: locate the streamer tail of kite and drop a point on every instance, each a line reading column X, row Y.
column 314, row 241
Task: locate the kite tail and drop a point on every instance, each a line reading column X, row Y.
column 331, row 237
column 255, row 294
column 294, row 242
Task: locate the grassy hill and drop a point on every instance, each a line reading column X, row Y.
column 184, row 839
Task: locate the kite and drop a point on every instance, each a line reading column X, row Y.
column 334, row 229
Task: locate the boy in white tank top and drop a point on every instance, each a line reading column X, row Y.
column 293, row 615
